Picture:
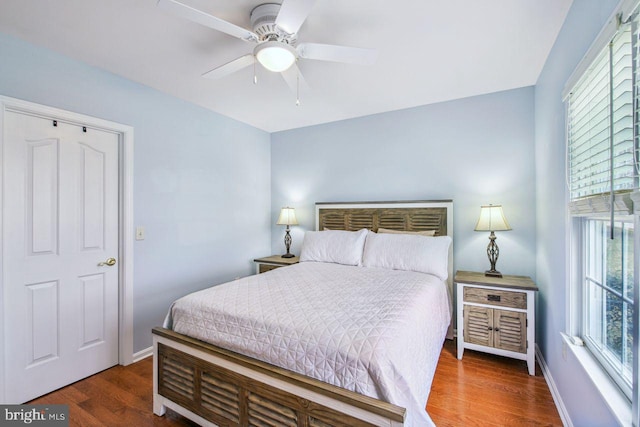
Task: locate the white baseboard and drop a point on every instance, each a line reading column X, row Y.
column 562, row 410
column 142, row 354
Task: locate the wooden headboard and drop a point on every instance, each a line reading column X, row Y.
column 405, row 219
column 406, row 216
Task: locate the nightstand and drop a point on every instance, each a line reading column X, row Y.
column 273, row 261
column 497, row 315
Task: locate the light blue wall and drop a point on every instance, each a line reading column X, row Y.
column 202, row 181
column 475, row 151
column 583, row 23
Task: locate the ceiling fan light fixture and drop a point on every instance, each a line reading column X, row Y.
column 275, row 56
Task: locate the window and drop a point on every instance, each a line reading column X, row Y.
column 608, row 297
column 602, row 175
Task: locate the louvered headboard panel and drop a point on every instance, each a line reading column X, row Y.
column 407, row 216
column 406, row 219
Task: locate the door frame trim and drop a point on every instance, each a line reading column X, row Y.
column 125, row 221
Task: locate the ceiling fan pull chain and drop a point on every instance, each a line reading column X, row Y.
column 297, row 87
column 255, row 76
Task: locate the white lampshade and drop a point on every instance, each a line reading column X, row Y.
column 275, row 56
column 287, row 217
column 492, row 219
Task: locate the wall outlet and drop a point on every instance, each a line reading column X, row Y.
column 140, row 233
column 564, row 350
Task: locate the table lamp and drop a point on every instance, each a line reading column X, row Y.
column 287, row 217
column 492, row 219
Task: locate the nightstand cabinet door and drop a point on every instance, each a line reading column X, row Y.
column 490, row 327
column 479, row 325
column 510, row 330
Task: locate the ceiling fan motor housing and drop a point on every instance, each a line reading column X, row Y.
column 263, row 22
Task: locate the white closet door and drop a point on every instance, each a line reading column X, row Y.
column 60, row 214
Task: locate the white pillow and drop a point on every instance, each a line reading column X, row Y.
column 337, row 246
column 408, row 252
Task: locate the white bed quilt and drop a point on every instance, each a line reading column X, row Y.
column 373, row 331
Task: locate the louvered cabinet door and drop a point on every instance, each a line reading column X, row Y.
column 510, row 330
column 478, row 325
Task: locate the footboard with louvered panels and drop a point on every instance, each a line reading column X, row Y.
column 216, row 387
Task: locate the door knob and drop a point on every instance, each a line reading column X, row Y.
column 109, row 262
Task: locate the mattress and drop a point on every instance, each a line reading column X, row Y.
column 374, row 331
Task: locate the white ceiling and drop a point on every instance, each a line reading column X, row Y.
column 428, row 51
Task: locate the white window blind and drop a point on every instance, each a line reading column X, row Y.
column 600, row 128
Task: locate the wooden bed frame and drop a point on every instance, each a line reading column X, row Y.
column 217, row 387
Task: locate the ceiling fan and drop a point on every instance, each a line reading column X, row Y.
column 275, row 34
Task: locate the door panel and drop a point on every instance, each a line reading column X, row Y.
column 42, row 191
column 478, row 325
column 93, row 308
column 512, row 330
column 92, row 200
column 60, row 221
column 43, row 322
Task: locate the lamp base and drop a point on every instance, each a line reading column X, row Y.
column 493, row 273
column 493, row 252
column 287, row 244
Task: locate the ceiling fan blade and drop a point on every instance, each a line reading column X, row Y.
column 230, row 67
column 328, row 52
column 295, row 80
column 207, row 20
column 293, row 13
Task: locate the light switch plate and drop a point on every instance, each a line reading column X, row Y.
column 139, row 233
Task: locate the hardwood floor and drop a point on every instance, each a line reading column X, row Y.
column 120, row 396
column 480, row 390
column 488, row 390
